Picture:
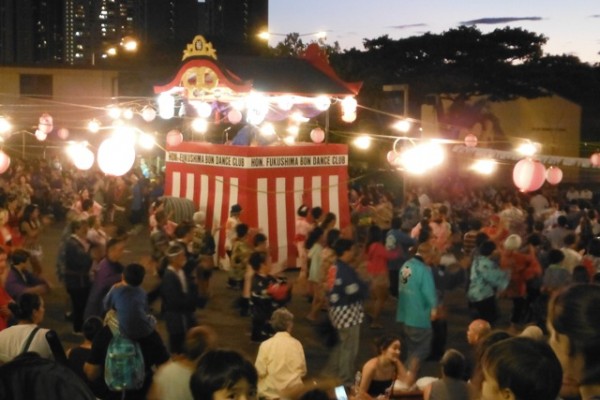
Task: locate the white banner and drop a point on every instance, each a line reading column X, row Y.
column 218, row 160
column 511, row 155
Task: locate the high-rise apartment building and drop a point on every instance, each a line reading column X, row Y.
column 31, row 31
column 78, row 32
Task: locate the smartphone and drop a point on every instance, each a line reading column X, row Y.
column 340, row 393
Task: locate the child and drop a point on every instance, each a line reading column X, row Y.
column 130, row 302
column 77, row 356
column 262, row 303
column 521, row 368
column 314, row 247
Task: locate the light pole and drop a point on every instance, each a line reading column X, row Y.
column 128, row 44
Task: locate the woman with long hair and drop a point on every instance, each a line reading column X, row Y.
column 381, row 372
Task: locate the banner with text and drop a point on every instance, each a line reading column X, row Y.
column 219, row 160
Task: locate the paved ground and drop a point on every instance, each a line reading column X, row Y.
column 234, row 330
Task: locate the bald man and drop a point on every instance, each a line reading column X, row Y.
column 478, row 329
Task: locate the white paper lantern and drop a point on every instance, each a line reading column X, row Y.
column 322, row 103
column 203, row 109
column 166, row 106
column 115, row 157
column 234, row 116
column 349, row 117
column 83, row 158
column 148, row 114
column 40, row 135
column 595, row 159
column 46, row 124
column 317, row 135
column 4, row 162
column 174, row 138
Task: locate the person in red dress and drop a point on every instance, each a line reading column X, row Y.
column 5, row 298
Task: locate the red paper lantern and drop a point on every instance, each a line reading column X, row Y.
column 595, row 159
column 317, row 135
column 4, row 162
column 174, row 138
column 554, row 175
column 470, row 140
column 529, row 175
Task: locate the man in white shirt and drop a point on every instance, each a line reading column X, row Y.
column 539, row 203
column 280, row 362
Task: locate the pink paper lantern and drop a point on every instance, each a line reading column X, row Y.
column 234, row 116
column 317, row 135
column 391, row 156
column 595, row 159
column 554, row 175
column 529, row 175
column 470, row 140
column 63, row 133
column 4, row 162
column 174, row 138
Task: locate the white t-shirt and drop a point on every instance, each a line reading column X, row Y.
column 172, row 381
column 13, row 339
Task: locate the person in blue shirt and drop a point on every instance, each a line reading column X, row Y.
column 486, row 278
column 397, row 239
column 417, row 304
column 346, row 311
column 128, row 299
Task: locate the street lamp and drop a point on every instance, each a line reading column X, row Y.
column 129, row 45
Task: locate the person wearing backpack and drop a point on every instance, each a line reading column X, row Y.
column 130, row 302
column 118, row 359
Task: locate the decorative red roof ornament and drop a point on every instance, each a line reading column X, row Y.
column 317, row 56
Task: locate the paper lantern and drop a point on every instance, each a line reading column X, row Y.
column 83, row 159
column 234, row 116
column 46, row 124
column 174, row 138
column 317, row 135
column 4, row 162
column 595, row 159
column 349, row 117
column 63, row 133
column 470, row 140
column 148, row 114
column 529, row 175
column 115, row 157
column 391, row 156
column 554, row 175
column 40, row 135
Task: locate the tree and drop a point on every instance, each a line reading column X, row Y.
column 293, row 46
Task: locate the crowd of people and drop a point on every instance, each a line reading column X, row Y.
column 540, row 250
